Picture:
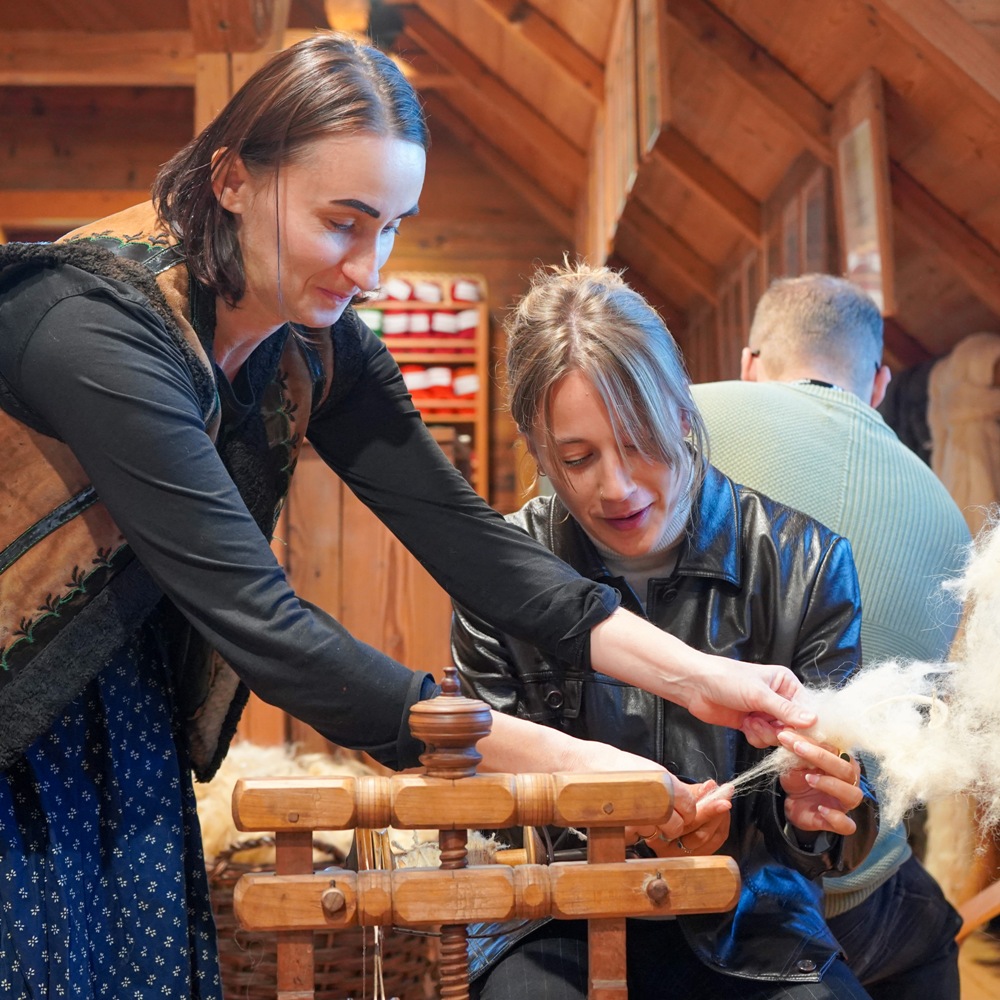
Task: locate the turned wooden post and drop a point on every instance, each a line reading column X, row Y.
column 450, row 726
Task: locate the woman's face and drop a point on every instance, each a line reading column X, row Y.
column 623, row 503
column 338, row 209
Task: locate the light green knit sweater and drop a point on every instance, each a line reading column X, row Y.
column 827, row 453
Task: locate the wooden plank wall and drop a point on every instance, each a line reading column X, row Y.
column 471, row 219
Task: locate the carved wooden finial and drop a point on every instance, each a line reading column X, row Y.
column 450, row 725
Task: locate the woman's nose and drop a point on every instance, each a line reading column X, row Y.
column 362, row 268
column 616, row 481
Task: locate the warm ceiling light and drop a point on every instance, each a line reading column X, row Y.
column 349, row 16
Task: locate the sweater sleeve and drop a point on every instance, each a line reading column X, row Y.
column 373, row 437
column 103, row 373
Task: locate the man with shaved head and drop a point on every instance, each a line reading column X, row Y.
column 801, row 426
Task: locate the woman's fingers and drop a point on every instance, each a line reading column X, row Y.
column 826, row 770
column 761, row 732
column 685, row 802
column 820, row 794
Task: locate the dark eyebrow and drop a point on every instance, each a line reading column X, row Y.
column 362, row 206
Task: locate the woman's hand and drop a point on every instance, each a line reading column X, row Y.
column 754, row 697
column 704, row 834
column 715, row 689
column 820, row 793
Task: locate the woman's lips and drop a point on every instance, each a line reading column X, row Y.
column 629, row 522
column 335, row 298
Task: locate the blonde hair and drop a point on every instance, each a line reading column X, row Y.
column 578, row 318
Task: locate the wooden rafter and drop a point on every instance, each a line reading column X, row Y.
column 952, row 46
column 643, row 237
column 128, row 59
column 935, row 227
column 493, row 158
column 902, row 345
column 788, row 100
column 234, row 25
column 695, row 170
column 551, row 42
column 488, row 88
column 82, row 58
column 671, row 313
column 218, row 75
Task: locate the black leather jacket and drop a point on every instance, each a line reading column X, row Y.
column 754, row 581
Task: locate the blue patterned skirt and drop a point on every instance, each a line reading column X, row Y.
column 103, row 891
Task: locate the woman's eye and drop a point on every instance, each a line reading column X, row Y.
column 573, row 463
column 340, row 227
column 393, row 229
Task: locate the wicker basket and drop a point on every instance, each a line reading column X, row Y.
column 344, row 959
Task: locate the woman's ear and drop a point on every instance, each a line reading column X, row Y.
column 229, row 181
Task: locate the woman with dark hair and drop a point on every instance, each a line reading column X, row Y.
column 598, row 389
column 159, row 371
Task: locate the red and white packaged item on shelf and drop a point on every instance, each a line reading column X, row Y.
column 420, row 324
column 427, row 291
column 466, row 290
column 395, row 324
column 439, row 381
column 466, row 322
column 465, row 382
column 438, row 387
column 444, row 323
column 398, row 289
column 416, row 380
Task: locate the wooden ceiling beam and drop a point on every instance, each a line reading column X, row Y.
column 952, row 46
column 648, row 239
column 551, row 42
column 235, row 25
column 789, row 102
column 934, row 226
column 82, row 58
column 902, row 345
column 495, row 160
column 695, row 170
column 657, row 272
column 489, row 89
column 129, row 59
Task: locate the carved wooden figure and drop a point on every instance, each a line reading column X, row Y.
column 452, row 798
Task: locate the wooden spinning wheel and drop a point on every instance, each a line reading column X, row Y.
column 452, row 798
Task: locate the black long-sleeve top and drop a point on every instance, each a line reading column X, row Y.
column 95, row 366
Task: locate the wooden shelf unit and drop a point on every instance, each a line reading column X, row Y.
column 460, row 357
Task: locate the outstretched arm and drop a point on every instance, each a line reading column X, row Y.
column 715, row 689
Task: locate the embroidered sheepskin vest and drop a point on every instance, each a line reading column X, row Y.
column 70, row 590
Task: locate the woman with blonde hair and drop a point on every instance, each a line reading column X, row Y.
column 598, row 389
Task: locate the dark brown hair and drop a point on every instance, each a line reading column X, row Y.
column 326, row 85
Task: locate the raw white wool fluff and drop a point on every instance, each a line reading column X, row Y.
column 414, row 849
column 925, row 730
column 249, row 760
